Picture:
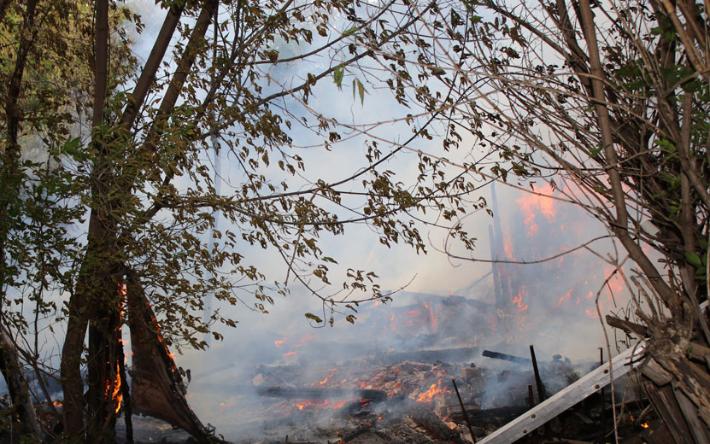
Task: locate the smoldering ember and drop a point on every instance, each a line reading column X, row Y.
column 346, row 221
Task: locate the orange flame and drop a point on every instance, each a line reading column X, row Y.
column 429, row 395
column 519, row 301
column 113, row 392
column 433, row 321
column 279, row 342
column 530, row 204
column 319, row 404
column 508, row 248
column 645, row 425
column 328, row 376
column 117, row 395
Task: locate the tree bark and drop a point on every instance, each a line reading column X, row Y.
column 157, row 386
column 24, row 411
column 10, row 182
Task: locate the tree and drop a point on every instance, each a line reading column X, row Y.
column 141, row 180
column 608, row 102
column 42, row 83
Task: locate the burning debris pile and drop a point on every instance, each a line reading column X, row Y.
column 407, row 393
column 368, row 401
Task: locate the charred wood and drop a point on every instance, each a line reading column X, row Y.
column 157, row 386
column 541, row 393
column 433, row 425
column 464, row 411
column 320, row 393
column 505, row 357
column 640, row 330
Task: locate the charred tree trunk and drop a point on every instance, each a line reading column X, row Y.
column 157, row 386
column 94, row 304
column 103, row 398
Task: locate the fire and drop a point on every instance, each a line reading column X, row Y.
column 645, row 425
column 519, row 301
column 508, row 247
column 429, row 395
column 328, row 377
column 113, row 391
column 433, row 321
column 530, row 204
column 290, row 354
column 311, row 404
column 302, row 405
column 279, row 342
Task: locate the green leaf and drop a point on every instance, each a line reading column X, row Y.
column 338, row 76
column 360, row 90
column 350, row 31
column 72, row 148
column 313, row 317
column 693, row 259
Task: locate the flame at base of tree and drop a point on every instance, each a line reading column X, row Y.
column 113, row 391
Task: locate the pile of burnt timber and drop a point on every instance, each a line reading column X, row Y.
column 525, row 401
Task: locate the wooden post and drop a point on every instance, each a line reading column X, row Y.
column 531, row 396
column 465, row 413
column 601, row 391
column 538, row 380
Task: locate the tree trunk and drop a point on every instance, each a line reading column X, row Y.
column 94, row 304
column 24, row 414
column 157, row 386
column 104, row 394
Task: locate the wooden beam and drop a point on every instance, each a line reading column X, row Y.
column 566, row 398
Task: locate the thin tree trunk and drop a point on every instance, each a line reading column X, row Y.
column 95, row 275
column 24, row 412
column 10, row 182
